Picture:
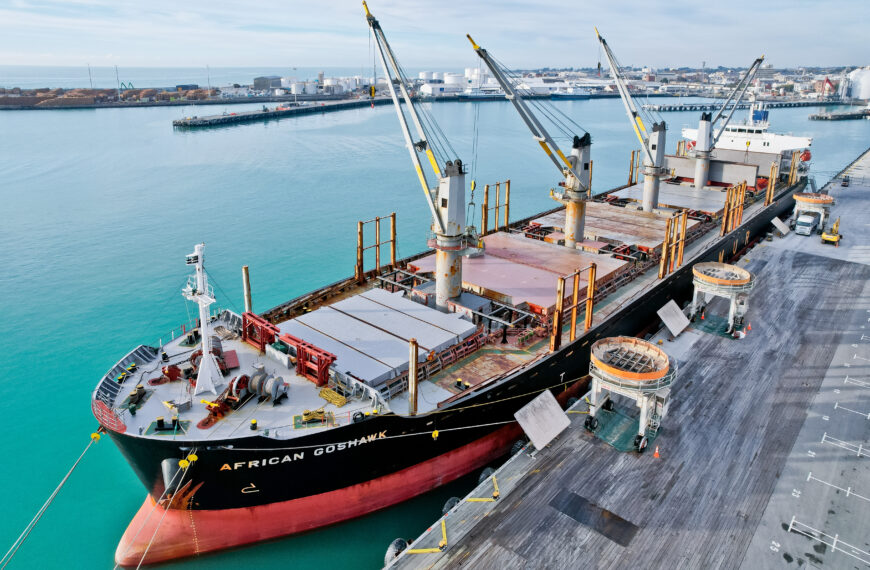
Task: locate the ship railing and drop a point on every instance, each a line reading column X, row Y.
column 108, row 388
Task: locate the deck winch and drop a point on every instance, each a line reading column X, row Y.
column 722, row 280
column 636, row 369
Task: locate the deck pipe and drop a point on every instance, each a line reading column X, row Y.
column 412, row 377
column 246, row 285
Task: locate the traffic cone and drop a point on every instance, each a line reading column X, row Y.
column 749, row 326
column 656, row 454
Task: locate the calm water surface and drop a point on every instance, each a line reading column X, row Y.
column 99, row 209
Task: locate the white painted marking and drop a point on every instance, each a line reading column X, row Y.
column 847, row 365
column 860, row 358
column 811, row 453
column 848, row 490
column 856, row 449
column 834, row 542
column 836, row 390
column 774, row 545
column 837, row 406
column 795, row 493
column 865, row 337
column 856, row 382
column 826, row 418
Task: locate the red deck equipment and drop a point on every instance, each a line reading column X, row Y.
column 257, row 331
column 311, row 362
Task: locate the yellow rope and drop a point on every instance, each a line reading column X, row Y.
column 333, row 397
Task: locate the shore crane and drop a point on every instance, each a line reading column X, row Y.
column 705, row 141
column 651, row 142
column 575, row 168
column 446, row 202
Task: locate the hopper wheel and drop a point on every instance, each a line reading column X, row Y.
column 591, row 423
column 640, row 443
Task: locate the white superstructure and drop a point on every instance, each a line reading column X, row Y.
column 753, row 135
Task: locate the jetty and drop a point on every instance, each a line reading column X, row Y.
column 762, row 462
column 286, row 110
column 715, row 105
column 842, row 116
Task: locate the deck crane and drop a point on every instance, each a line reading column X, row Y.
column 453, row 238
column 705, row 141
column 652, row 143
column 574, row 168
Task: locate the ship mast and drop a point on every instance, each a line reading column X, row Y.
column 575, row 168
column 705, row 141
column 447, row 202
column 198, row 291
column 651, row 142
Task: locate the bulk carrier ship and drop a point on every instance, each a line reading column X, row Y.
column 387, row 384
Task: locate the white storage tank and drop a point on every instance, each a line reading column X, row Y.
column 438, row 76
column 454, row 79
column 425, row 75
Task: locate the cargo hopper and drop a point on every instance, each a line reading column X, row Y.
column 387, row 384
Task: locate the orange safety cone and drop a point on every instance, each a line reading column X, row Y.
column 749, row 326
column 656, row 454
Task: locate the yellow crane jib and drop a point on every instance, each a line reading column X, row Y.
column 366, row 8
column 474, row 45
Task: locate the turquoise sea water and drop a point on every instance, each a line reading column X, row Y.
column 99, row 208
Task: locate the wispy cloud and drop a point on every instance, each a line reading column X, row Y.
column 431, row 33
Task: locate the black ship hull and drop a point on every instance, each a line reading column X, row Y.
column 258, row 472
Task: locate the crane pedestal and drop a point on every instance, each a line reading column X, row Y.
column 634, row 369
column 722, row 280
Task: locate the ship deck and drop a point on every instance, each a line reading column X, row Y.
column 620, row 226
column 710, row 201
column 763, row 460
column 368, row 330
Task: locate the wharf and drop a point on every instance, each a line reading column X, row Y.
column 763, row 456
column 276, row 113
column 844, row 116
column 714, row 106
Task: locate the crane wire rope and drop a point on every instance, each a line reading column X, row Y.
column 645, row 115
column 438, row 142
column 7, row 558
column 558, row 118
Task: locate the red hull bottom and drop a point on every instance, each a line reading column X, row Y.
column 185, row 533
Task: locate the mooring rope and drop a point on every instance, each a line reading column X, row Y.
column 7, row 558
column 185, row 464
column 151, row 512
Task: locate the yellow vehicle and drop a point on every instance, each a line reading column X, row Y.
column 833, row 235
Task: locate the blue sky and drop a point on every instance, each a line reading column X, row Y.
column 430, row 34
